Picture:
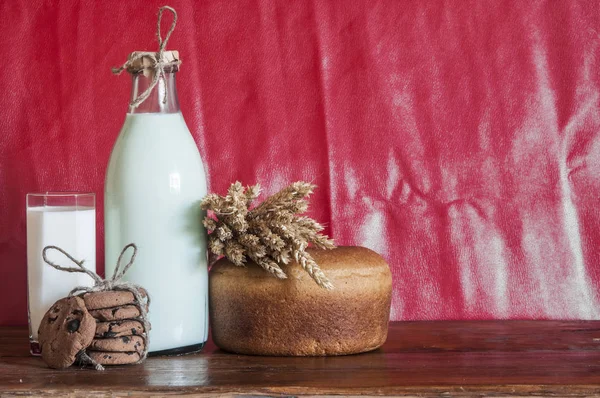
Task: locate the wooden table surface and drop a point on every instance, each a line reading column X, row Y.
column 420, row 358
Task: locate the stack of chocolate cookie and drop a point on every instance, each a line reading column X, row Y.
column 120, row 335
column 98, row 328
column 105, row 324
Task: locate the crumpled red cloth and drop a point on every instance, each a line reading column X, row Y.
column 460, row 140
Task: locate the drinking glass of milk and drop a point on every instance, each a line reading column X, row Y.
column 66, row 220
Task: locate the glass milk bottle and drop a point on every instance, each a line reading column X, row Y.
column 154, row 183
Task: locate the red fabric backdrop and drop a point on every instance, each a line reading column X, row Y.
column 458, row 139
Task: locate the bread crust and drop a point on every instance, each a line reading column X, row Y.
column 254, row 313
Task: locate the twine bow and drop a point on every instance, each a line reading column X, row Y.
column 156, row 58
column 113, row 283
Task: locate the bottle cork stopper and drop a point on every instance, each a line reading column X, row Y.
column 144, row 62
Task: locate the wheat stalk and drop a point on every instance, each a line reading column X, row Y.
column 271, row 234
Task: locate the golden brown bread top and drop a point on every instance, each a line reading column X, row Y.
column 252, row 312
column 341, row 262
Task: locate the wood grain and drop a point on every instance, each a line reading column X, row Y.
column 495, row 358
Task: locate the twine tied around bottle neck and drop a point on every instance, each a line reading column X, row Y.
column 158, row 63
column 142, row 298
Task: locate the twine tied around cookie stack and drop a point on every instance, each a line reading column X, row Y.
column 157, row 60
column 101, row 285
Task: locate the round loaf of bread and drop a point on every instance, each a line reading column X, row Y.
column 252, row 312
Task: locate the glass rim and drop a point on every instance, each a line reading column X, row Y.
column 61, row 194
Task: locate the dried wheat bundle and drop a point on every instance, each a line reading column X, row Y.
column 270, row 234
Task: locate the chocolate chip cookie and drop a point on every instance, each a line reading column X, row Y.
column 118, row 344
column 119, row 328
column 66, row 329
column 110, row 298
column 116, row 313
column 114, row 358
